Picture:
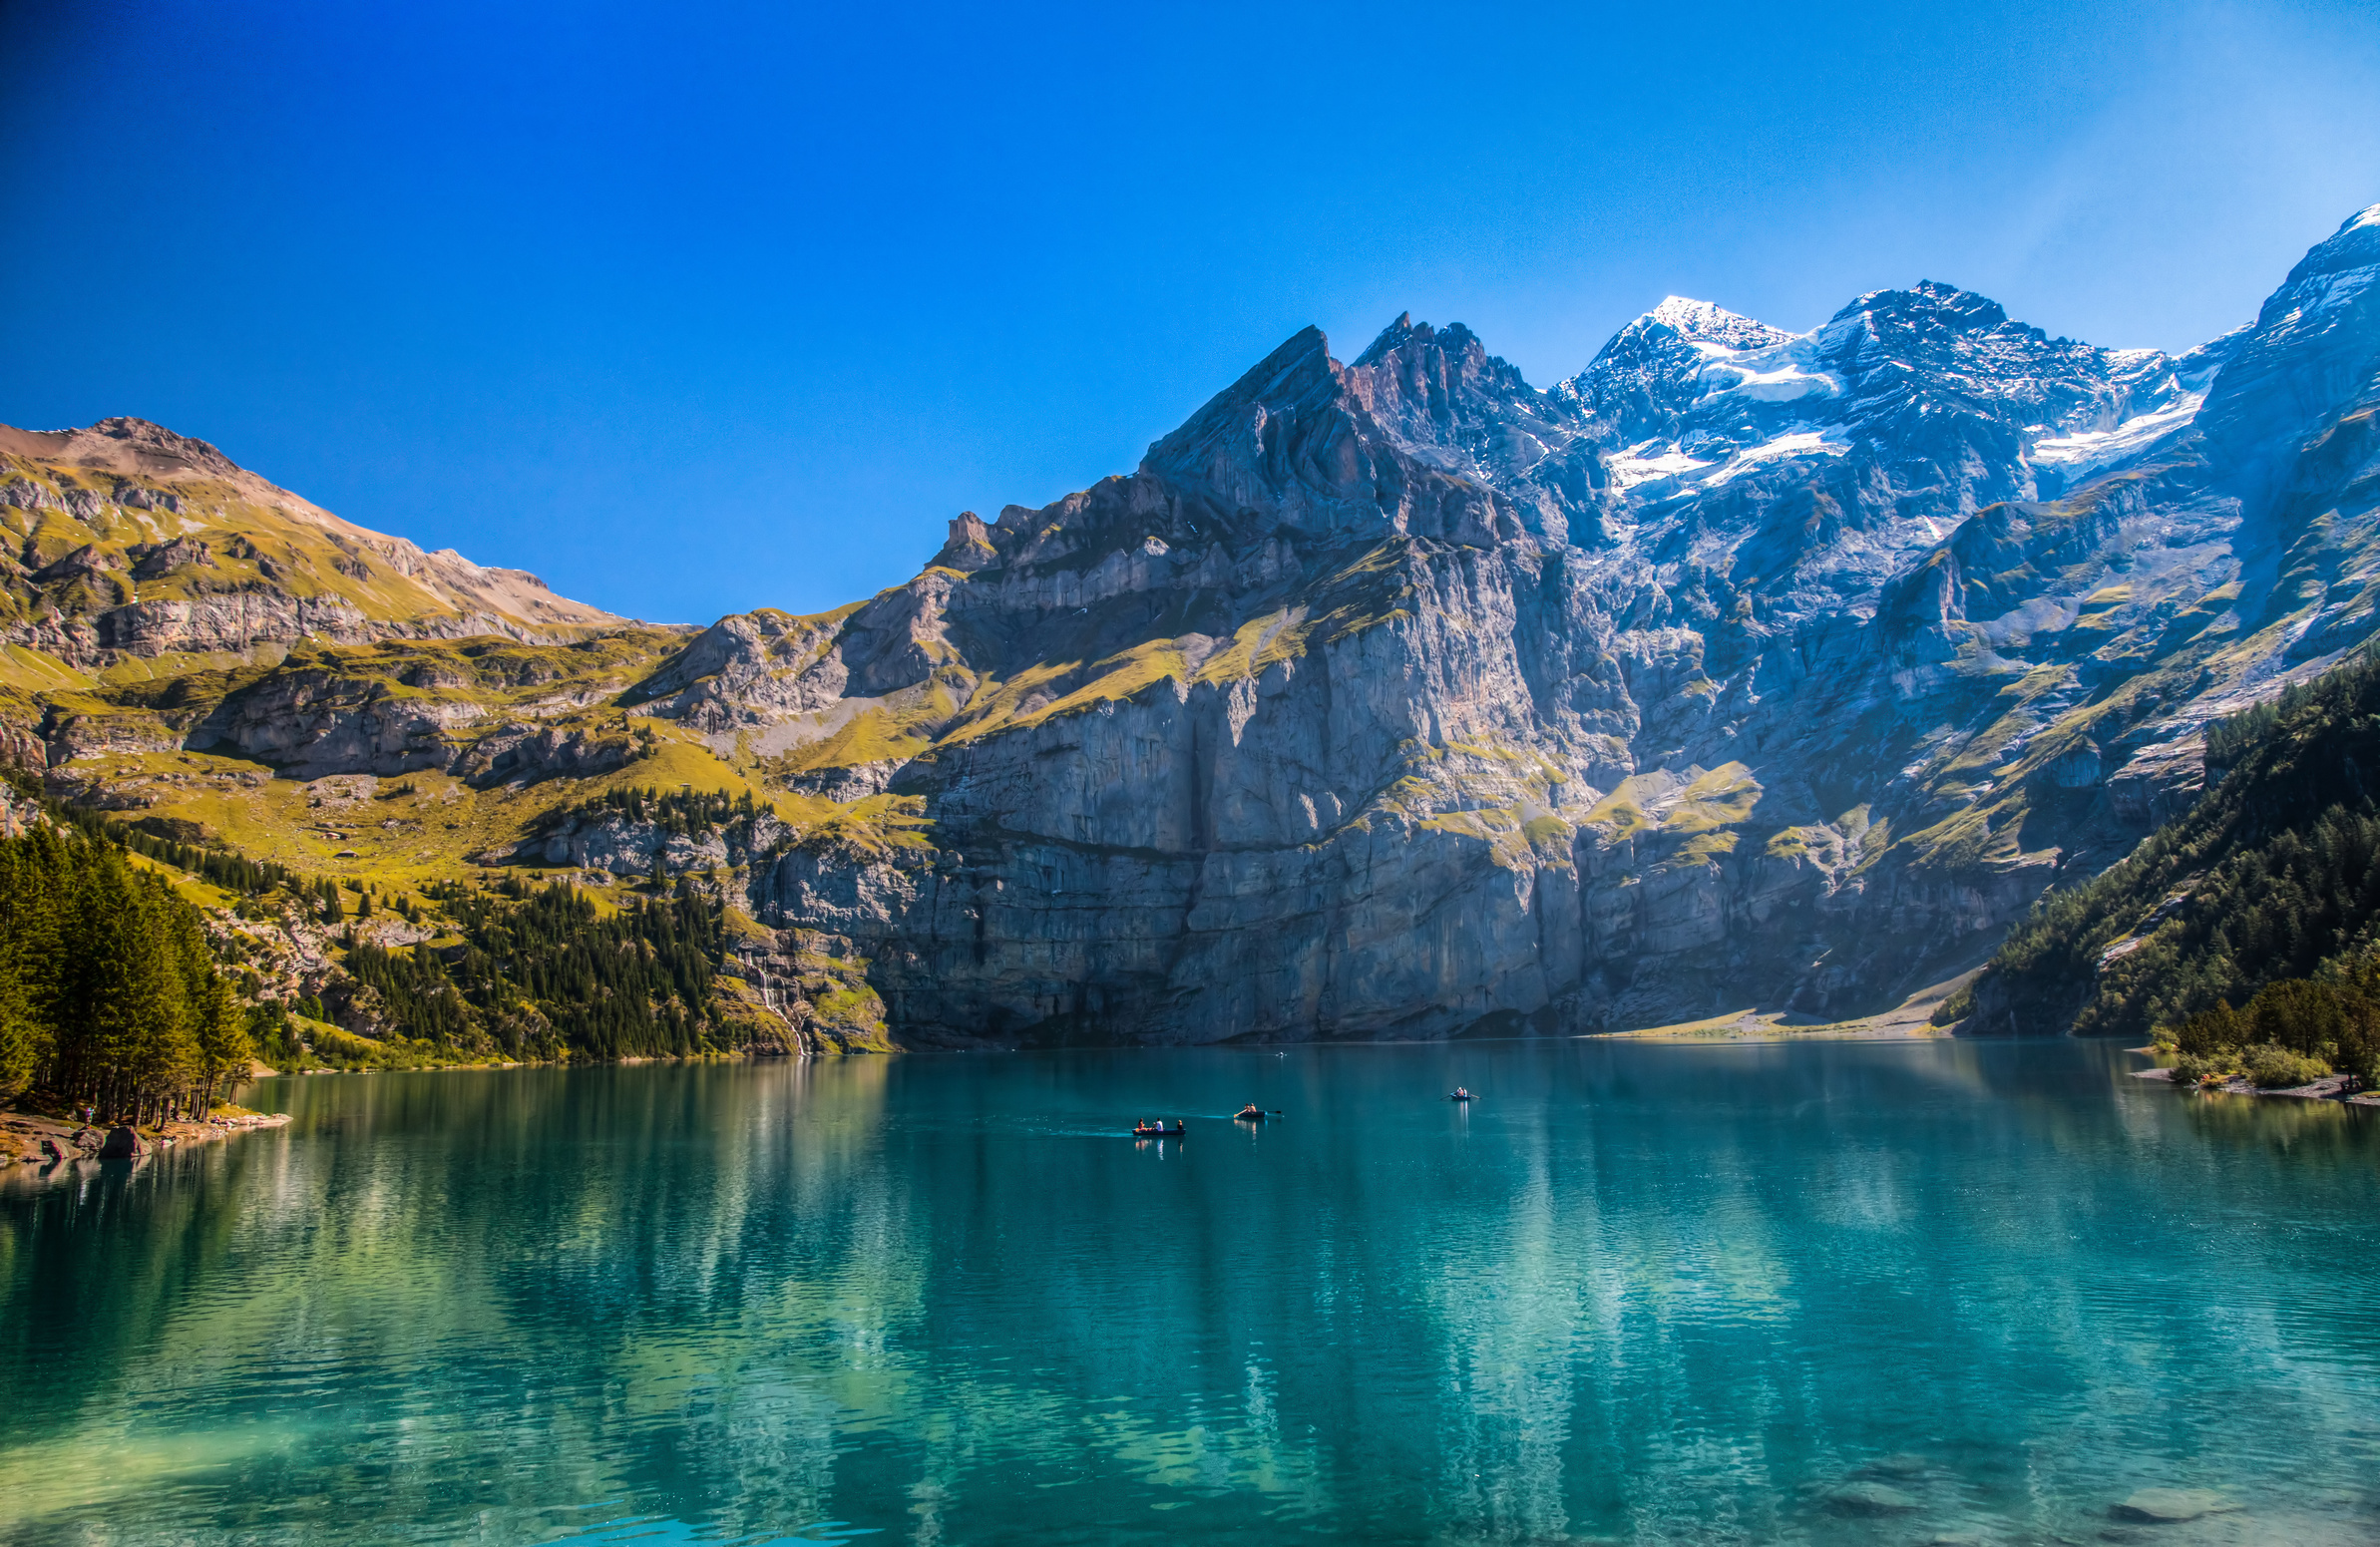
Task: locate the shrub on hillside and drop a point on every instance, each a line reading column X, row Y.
column 2276, row 1068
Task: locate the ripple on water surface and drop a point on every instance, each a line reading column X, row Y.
column 1842, row 1294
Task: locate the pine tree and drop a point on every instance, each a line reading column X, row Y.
column 223, row 1047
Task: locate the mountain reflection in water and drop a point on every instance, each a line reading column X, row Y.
column 1639, row 1293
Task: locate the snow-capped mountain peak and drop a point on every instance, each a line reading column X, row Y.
column 1708, row 323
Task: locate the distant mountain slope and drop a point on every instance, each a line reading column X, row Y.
column 127, row 544
column 2276, row 875
column 1400, row 698
column 127, row 540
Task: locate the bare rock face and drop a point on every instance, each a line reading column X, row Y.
column 315, row 720
column 1402, row 700
column 83, row 562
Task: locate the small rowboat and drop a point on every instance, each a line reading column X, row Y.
column 1460, row 1095
column 1248, row 1115
column 1144, row 1131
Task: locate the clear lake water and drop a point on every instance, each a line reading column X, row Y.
column 1636, row 1293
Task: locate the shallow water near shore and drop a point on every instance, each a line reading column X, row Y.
column 1662, row 1294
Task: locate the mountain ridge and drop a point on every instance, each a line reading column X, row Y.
column 1402, row 698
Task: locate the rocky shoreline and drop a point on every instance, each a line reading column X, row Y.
column 2330, row 1087
column 29, row 1139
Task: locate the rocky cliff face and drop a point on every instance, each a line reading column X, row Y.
column 1400, row 698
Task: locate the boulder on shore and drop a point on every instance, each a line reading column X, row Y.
column 122, row 1143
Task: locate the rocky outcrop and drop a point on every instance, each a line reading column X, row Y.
column 313, row 721
column 525, row 754
column 83, row 562
column 319, row 716
column 236, row 622
column 152, row 561
column 20, row 746
column 485, row 710
column 122, row 1143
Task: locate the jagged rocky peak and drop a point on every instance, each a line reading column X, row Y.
column 1279, row 440
column 1427, row 434
column 1935, row 384
column 1448, row 403
column 1929, row 308
column 969, row 546
column 1294, row 447
column 1432, row 387
column 1935, row 347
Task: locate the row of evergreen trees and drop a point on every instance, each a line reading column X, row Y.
column 109, row 994
column 680, row 813
column 541, row 974
column 232, row 872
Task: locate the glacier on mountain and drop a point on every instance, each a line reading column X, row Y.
column 2089, row 449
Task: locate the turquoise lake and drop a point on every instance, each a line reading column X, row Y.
column 1640, row 1293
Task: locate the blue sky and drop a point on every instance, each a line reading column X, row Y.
column 697, row 308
